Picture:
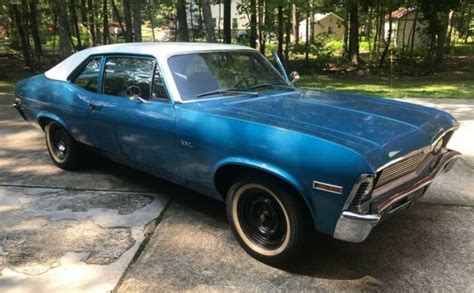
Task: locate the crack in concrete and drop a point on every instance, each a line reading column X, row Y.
column 40, row 226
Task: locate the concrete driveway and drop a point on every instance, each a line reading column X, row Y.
column 110, row 227
column 74, row 231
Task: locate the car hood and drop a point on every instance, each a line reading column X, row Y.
column 380, row 129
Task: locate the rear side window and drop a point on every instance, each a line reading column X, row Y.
column 123, row 72
column 88, row 78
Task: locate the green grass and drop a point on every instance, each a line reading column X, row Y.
column 7, row 85
column 443, row 85
column 8, row 79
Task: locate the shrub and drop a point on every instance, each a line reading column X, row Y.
column 321, row 50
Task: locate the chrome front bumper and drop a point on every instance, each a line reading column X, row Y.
column 355, row 227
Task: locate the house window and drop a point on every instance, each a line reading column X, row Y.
column 234, row 23
column 330, row 31
column 214, row 22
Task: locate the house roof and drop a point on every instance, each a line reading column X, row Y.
column 321, row 16
column 399, row 13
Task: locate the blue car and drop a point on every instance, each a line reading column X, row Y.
column 222, row 120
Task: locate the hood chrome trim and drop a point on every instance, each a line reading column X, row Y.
column 428, row 148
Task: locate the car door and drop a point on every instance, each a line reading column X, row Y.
column 139, row 130
column 84, row 87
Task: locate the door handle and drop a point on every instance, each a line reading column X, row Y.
column 93, row 106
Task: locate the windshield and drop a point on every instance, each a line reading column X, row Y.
column 200, row 75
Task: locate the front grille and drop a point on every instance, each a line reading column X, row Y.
column 400, row 168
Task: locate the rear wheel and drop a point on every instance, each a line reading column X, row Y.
column 268, row 220
column 62, row 148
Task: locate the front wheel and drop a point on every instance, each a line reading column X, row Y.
column 268, row 220
column 62, row 148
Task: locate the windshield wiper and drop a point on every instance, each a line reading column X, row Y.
column 275, row 85
column 226, row 91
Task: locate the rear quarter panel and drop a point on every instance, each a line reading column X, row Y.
column 61, row 101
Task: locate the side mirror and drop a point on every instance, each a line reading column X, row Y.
column 294, row 76
column 135, row 93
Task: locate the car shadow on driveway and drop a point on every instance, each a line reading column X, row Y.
column 427, row 247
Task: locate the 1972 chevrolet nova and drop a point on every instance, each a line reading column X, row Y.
column 221, row 120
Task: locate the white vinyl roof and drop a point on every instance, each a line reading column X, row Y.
column 160, row 51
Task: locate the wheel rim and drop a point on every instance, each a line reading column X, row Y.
column 58, row 142
column 261, row 220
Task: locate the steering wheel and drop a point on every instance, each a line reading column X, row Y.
column 246, row 81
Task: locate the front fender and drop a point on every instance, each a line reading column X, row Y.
column 267, row 168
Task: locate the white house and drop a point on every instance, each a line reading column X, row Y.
column 324, row 23
column 239, row 19
column 403, row 27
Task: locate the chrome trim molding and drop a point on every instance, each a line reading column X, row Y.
column 426, row 149
column 330, row 185
column 356, row 227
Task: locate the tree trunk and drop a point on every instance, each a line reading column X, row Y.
column 83, row 11
column 127, row 15
column 413, row 33
column 441, row 40
column 117, row 15
column 208, row 24
column 450, row 32
column 280, row 32
column 307, row 45
column 75, row 22
column 182, row 29
column 404, row 29
column 227, row 22
column 368, row 25
column 63, row 22
column 34, row 27
column 24, row 42
column 288, row 34
column 389, row 39
column 91, row 10
column 261, row 44
column 311, row 23
column 468, row 24
column 105, row 18
column 345, row 37
column 295, row 23
column 381, row 32
column 151, row 16
column 137, row 20
column 253, row 23
column 354, row 32
column 191, row 21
